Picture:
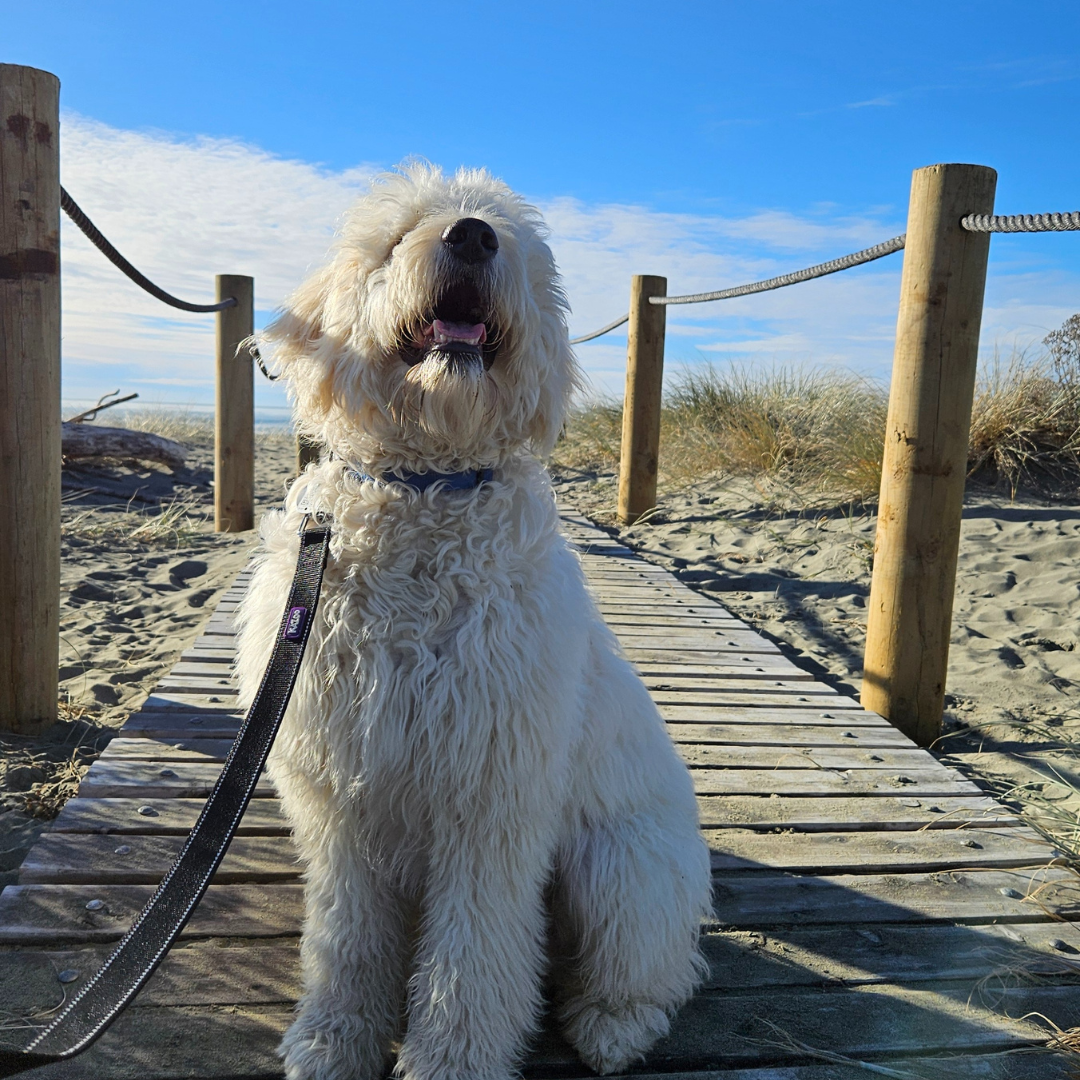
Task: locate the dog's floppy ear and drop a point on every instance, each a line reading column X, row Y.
column 561, row 380
column 301, row 349
column 560, row 377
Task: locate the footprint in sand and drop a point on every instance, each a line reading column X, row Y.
column 197, row 599
column 104, row 694
column 90, row 590
column 183, row 572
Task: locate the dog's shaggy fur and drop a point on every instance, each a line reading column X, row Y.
column 481, row 790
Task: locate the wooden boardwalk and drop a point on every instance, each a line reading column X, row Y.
column 870, row 902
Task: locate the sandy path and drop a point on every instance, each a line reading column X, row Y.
column 802, row 575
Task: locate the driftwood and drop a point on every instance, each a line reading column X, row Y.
column 102, row 403
column 85, row 441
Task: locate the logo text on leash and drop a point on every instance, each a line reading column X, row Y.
column 295, row 622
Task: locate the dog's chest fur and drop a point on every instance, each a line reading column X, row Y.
column 429, row 682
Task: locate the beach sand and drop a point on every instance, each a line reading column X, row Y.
column 801, row 574
column 141, row 569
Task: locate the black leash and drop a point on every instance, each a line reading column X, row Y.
column 144, row 946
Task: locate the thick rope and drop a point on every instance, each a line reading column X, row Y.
column 1021, row 223
column 878, row 251
column 71, row 208
column 601, row 332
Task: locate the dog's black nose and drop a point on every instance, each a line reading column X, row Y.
column 471, row 240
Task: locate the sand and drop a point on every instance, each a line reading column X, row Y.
column 141, row 570
column 800, row 573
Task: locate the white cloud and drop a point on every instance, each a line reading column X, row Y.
column 181, row 211
column 184, row 210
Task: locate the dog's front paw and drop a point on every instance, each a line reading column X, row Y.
column 336, row 1047
column 609, row 1037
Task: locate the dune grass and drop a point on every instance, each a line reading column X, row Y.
column 822, row 430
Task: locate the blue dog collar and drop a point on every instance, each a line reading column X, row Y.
column 459, row 481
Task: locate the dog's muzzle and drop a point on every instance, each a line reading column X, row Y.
column 461, row 327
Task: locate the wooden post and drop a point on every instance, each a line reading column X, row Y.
column 307, row 450
column 641, row 406
column 926, row 444
column 234, row 419
column 29, row 398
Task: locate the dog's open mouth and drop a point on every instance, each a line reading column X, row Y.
column 461, row 326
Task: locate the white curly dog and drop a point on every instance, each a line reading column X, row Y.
column 482, row 792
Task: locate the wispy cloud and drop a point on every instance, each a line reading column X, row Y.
column 878, row 102
column 184, row 210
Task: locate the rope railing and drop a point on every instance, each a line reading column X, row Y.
column 833, row 266
column 93, row 234
column 1013, row 223
column 235, row 426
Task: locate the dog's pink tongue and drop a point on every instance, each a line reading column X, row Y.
column 452, row 331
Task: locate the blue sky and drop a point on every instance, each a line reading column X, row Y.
column 711, row 142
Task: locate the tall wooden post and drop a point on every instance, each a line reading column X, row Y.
column 641, row 405
column 307, row 451
column 234, row 420
column 926, row 444
column 29, row 398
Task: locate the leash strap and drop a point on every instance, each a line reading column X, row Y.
column 159, row 923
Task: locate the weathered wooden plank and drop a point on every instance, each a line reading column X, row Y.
column 801, row 757
column 620, row 620
column 644, row 594
column 131, row 817
column 713, row 1031
column 110, row 778
column 808, row 694
column 831, row 782
column 878, row 852
column 736, row 667
column 849, row 815
column 65, row 858
column 707, row 756
column 196, row 684
column 168, row 725
column 695, row 687
column 693, row 642
column 69, row 858
column 749, row 644
column 1030, row 1064
column 194, row 973
column 163, row 750
column 787, row 734
column 757, row 901
column 827, row 956
column 212, row 669
column 867, row 1022
column 209, row 972
column 171, row 702
column 820, row 714
column 32, row 914
column 681, row 607
column 199, row 653
column 153, row 1043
